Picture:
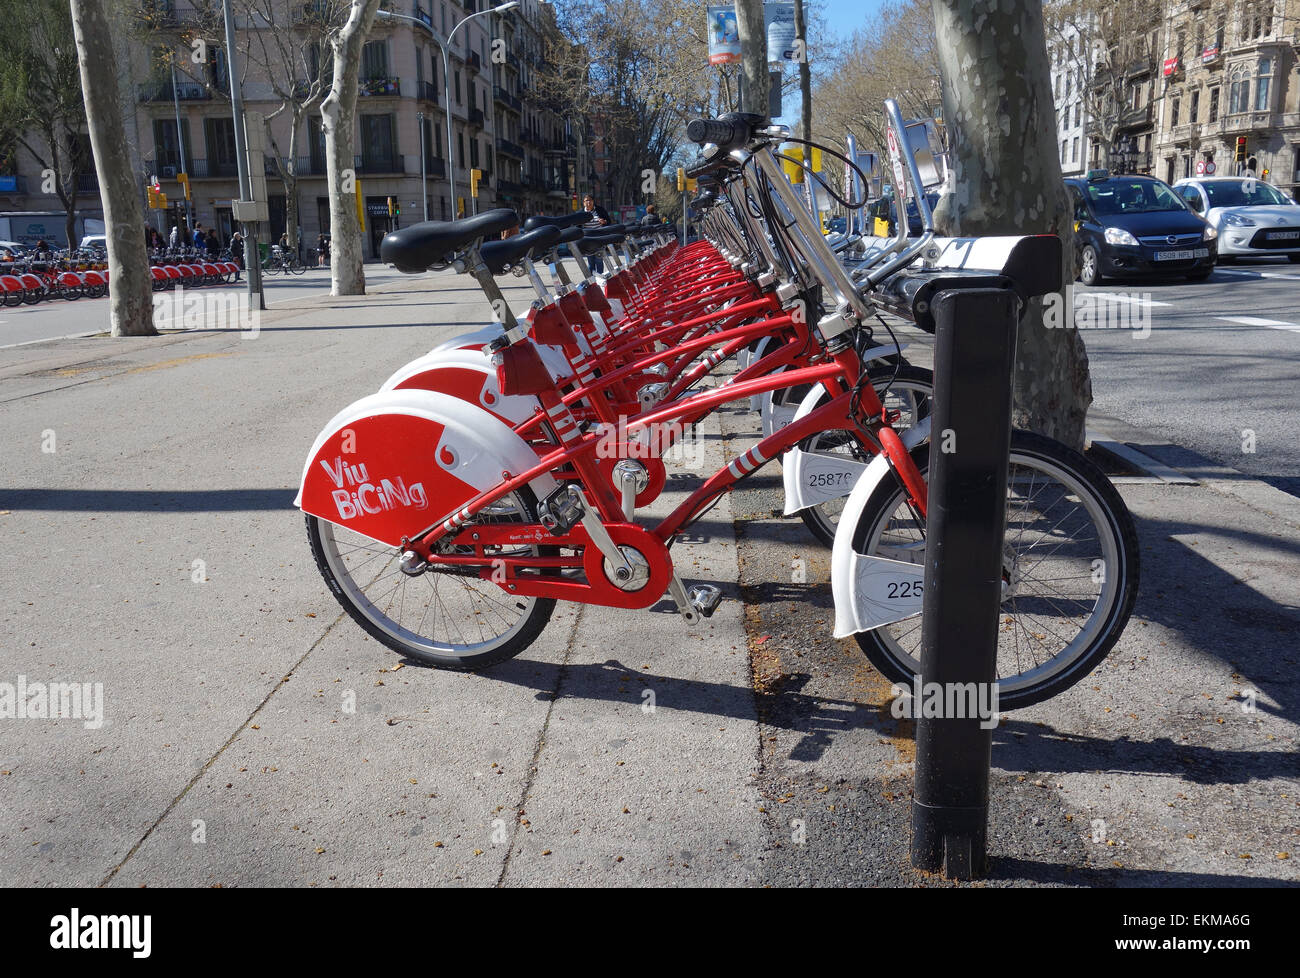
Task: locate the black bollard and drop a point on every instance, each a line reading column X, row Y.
column 970, row 437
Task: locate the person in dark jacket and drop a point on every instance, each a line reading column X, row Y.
column 600, row 218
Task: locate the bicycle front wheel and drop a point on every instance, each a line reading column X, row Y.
column 1069, row 572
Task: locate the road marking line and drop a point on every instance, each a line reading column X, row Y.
column 1256, row 321
column 1119, row 297
column 1139, row 460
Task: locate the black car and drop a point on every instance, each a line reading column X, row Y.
column 885, row 210
column 1129, row 226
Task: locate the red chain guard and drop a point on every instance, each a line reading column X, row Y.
column 597, row 589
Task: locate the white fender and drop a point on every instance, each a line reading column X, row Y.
column 393, row 462
column 810, row 477
column 475, row 380
column 872, row 591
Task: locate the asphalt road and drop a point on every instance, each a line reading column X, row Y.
column 60, row 319
column 1218, row 370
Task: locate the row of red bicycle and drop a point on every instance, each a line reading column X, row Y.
column 31, row 282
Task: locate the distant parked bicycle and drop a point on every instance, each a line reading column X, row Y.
column 283, row 260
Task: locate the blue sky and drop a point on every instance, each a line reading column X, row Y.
column 844, row 16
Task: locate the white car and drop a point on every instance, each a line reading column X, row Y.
column 12, row 250
column 97, row 242
column 1251, row 216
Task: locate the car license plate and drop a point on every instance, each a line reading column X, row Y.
column 1282, row 235
column 1186, row 255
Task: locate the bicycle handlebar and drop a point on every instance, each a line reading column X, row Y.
column 729, row 131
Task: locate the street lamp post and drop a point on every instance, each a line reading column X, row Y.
column 424, row 193
column 446, row 78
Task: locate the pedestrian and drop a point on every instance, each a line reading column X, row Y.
column 600, row 218
column 214, row 244
column 322, row 249
column 171, row 242
column 237, row 250
column 298, row 241
column 200, row 242
column 651, row 216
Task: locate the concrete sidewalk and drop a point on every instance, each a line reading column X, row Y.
column 155, row 550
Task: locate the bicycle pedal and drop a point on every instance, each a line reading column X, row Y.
column 705, row 598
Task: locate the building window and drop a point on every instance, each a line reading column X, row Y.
column 1064, row 145
column 378, row 145
column 1194, row 111
column 1239, row 92
column 220, row 137
column 1261, row 88
column 1214, row 104
column 1074, row 150
column 1175, row 110
column 374, row 60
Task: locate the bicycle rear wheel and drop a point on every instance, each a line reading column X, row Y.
column 1070, row 571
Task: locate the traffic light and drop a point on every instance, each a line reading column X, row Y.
column 361, row 210
column 475, row 175
column 162, row 201
column 681, row 178
column 392, row 209
column 1241, row 149
column 152, row 196
column 692, row 184
column 184, row 180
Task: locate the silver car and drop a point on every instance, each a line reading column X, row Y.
column 1251, row 216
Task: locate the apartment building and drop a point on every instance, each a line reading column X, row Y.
column 1230, row 71
column 528, row 153
column 1069, row 79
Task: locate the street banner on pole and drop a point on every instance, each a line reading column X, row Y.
column 724, row 34
column 778, row 19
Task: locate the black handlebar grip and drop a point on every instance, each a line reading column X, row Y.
column 700, row 167
column 711, row 131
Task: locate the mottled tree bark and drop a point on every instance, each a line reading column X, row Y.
column 338, row 120
column 1001, row 125
column 130, row 287
column 754, row 85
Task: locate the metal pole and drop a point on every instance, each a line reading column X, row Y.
column 253, row 266
column 974, row 353
column 424, row 194
column 180, row 142
column 451, row 149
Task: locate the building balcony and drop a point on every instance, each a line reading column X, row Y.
column 474, row 61
column 503, row 97
column 510, row 187
column 311, row 167
column 167, row 165
column 1135, row 118
column 88, row 184
column 428, row 92
column 380, row 86
column 422, row 15
column 163, row 92
column 475, row 117
column 435, row 166
column 375, row 163
column 510, row 149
